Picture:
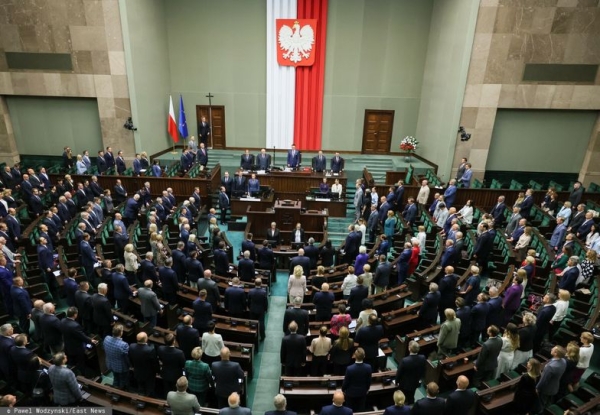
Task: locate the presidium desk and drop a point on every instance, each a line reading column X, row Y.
column 298, row 186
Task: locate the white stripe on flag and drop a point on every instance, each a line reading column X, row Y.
column 281, row 81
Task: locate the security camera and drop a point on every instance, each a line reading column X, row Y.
column 129, row 125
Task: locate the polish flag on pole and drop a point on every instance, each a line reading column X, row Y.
column 172, row 125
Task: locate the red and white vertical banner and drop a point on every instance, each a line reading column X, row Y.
column 281, row 80
column 308, row 112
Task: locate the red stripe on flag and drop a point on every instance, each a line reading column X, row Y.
column 308, row 116
column 172, row 125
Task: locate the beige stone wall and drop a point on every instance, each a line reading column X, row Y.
column 90, row 30
column 510, row 34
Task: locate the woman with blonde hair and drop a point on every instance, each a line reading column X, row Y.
column 199, row 376
column 572, row 358
column 318, row 280
column 81, row 167
column 585, row 355
column 510, row 343
column 297, row 284
column 526, row 334
column 398, row 408
column 349, row 283
column 367, row 277
column 161, row 252
column 131, row 264
column 587, row 268
column 320, row 347
column 523, row 243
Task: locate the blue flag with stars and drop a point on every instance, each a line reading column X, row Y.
column 182, row 122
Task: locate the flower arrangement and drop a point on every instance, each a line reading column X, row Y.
column 409, row 144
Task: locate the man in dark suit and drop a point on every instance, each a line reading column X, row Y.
column 357, row 382
column 430, row 405
column 193, row 267
column 368, row 337
column 293, row 158
column 14, row 227
column 173, row 362
column 169, row 282
column 120, row 193
column 122, row 290
column 319, row 162
column 144, row 362
column 83, row 302
column 227, row 376
column 203, row 131
column 495, row 313
column 301, row 260
column 71, row 287
column 312, row 253
column 187, row 337
column 447, row 290
column 102, row 311
column 280, row 404
column 212, row 289
column 351, row 245
column 357, row 295
column 26, row 364
column 7, row 343
column 487, row 361
column 202, row 313
column 235, row 299
column 246, row 160
column 463, row 312
column 258, row 305
column 147, row 269
column 88, row 257
column 544, row 316
column 227, row 183
column 323, row 301
column 448, row 256
column 263, row 160
column 51, row 333
column 46, row 263
column 498, row 212
column 273, row 234
column 75, row 339
column 337, row 163
column 429, row 310
column 549, row 382
column 21, row 304
column 36, row 206
column 527, row 204
column 373, row 223
column 202, row 155
column 293, row 351
column 483, row 248
column 462, row 399
column 266, row 257
column 298, row 315
column 131, row 209
column 586, row 226
column 411, row 370
column 179, row 258
column 337, row 408
column 577, row 218
column 479, row 313
column 223, row 204
column 382, row 275
column 246, row 268
column 248, row 245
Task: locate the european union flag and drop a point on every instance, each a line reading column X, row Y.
column 182, row 122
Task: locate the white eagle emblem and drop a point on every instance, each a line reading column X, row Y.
column 296, row 42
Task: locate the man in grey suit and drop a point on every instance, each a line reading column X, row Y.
column 149, row 303
column 548, row 384
column 234, row 406
column 513, row 221
column 181, row 402
column 487, row 361
column 358, row 202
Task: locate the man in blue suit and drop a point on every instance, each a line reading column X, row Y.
column 527, row 204
column 246, row 268
column 131, row 209
column 337, row 163
column 569, row 276
column 202, row 155
column 450, row 193
column 21, row 304
column 319, row 162
column 235, row 299
column 518, row 232
column 558, row 235
column 6, row 282
column 223, row 204
column 221, row 260
column 137, row 164
column 448, row 255
column 337, row 408
column 88, row 257
column 586, row 226
column 466, row 177
column 169, row 282
column 357, row 382
column 71, row 286
column 411, row 370
column 430, row 405
column 121, row 288
column 248, row 245
column 14, row 226
column 293, row 158
column 410, row 212
column 498, row 211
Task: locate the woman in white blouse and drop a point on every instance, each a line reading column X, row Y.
column 81, row 167
column 297, row 284
column 562, row 304
column 349, row 283
column 131, row 264
column 592, row 237
column 337, row 188
column 212, row 343
column 466, row 213
column 585, row 355
column 523, row 243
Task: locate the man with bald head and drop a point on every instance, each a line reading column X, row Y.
column 462, row 399
column 227, row 375
column 293, row 351
column 143, row 359
column 301, row 260
column 337, row 408
column 234, row 407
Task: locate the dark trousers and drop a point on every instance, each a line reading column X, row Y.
column 121, row 380
column 24, row 324
column 318, row 366
column 261, row 323
column 152, row 320
column 223, row 217
column 222, row 402
column 482, row 376
column 146, row 385
column 339, row 369
column 293, row 371
column 169, row 385
column 123, row 304
column 356, row 403
column 373, row 362
column 410, row 396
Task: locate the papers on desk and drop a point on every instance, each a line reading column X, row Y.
column 261, row 172
column 336, row 174
column 322, row 199
column 250, row 199
column 380, row 353
column 142, row 170
column 352, row 325
column 56, row 273
column 85, row 395
column 287, row 169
